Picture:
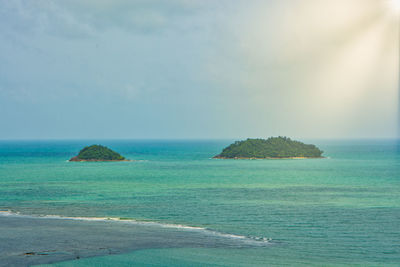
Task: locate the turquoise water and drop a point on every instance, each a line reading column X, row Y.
column 341, row 210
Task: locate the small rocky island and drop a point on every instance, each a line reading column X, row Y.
column 271, row 148
column 98, row 153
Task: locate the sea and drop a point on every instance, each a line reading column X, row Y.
column 174, row 205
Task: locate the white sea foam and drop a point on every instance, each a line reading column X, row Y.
column 259, row 240
column 7, row 213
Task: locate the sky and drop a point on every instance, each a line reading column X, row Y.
column 198, row 69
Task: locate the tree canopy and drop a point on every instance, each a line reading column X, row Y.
column 97, row 152
column 273, row 147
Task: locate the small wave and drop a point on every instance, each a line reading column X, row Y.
column 7, row 213
column 255, row 240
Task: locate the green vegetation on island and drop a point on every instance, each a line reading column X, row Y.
column 271, row 148
column 97, row 153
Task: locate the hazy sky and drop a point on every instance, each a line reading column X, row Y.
column 198, row 69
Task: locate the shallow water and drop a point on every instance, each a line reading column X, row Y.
column 341, row 210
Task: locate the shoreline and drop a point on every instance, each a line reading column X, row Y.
column 74, row 159
column 217, row 157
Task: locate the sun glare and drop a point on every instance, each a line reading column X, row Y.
column 395, row 5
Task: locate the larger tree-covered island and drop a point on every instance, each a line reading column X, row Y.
column 98, row 153
column 271, row 148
